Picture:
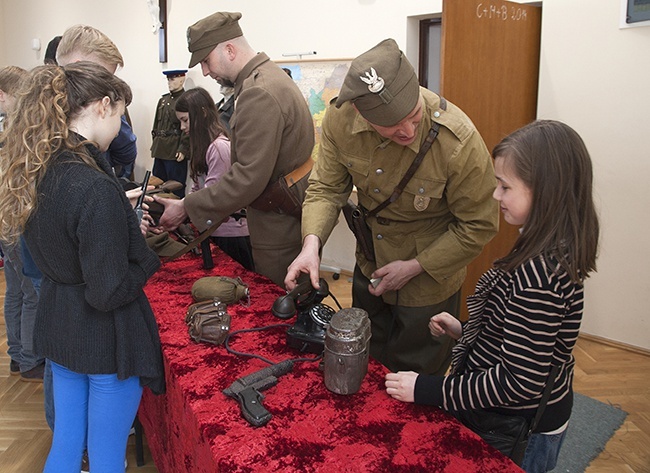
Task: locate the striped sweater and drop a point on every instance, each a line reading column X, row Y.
column 520, row 323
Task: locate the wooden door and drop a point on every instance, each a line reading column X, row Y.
column 490, row 69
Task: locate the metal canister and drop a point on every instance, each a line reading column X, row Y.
column 345, row 362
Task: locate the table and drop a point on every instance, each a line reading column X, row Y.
column 195, row 428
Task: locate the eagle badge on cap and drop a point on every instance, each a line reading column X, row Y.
column 375, row 83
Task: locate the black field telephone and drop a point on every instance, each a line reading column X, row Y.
column 308, row 333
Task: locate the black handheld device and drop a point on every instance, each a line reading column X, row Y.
column 139, row 211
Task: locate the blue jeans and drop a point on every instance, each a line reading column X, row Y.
column 21, row 300
column 542, row 452
column 99, row 407
column 31, row 271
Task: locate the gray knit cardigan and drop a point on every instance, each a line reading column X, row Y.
column 93, row 316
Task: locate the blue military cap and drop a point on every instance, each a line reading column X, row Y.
column 171, row 73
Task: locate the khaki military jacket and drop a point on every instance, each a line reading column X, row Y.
column 445, row 215
column 272, row 133
column 167, row 138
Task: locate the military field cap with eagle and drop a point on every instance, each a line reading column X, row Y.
column 205, row 34
column 382, row 85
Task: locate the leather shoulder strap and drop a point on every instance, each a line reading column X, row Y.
column 431, row 137
column 546, row 395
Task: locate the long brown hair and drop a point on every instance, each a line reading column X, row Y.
column 553, row 162
column 205, row 126
column 38, row 130
column 10, row 78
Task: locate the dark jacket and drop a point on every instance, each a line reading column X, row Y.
column 226, row 109
column 93, row 316
column 167, row 137
column 123, row 150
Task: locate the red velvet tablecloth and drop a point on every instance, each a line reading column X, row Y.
column 195, row 428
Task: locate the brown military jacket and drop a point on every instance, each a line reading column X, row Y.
column 445, row 215
column 272, row 133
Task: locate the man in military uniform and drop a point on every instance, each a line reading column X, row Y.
column 272, row 137
column 438, row 223
column 170, row 147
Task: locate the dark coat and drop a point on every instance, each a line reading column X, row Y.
column 93, row 315
column 226, row 109
column 167, row 137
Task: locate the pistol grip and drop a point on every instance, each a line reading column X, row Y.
column 252, row 408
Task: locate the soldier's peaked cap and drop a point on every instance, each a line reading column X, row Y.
column 205, row 34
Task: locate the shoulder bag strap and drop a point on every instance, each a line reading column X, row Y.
column 431, row 137
column 550, row 381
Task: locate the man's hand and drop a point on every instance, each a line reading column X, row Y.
column 401, row 385
column 307, row 262
column 174, row 213
column 445, row 324
column 394, row 276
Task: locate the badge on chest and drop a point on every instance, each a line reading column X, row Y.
column 421, row 202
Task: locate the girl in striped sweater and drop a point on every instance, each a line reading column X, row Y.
column 525, row 314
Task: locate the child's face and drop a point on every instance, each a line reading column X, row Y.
column 514, row 197
column 184, row 118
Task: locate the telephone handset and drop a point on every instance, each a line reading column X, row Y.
column 308, row 333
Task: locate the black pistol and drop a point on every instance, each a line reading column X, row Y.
column 247, row 391
column 139, row 211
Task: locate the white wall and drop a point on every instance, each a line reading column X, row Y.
column 593, row 76
column 3, row 41
column 273, row 27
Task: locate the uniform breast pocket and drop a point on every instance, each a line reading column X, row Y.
column 357, row 167
column 424, row 194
